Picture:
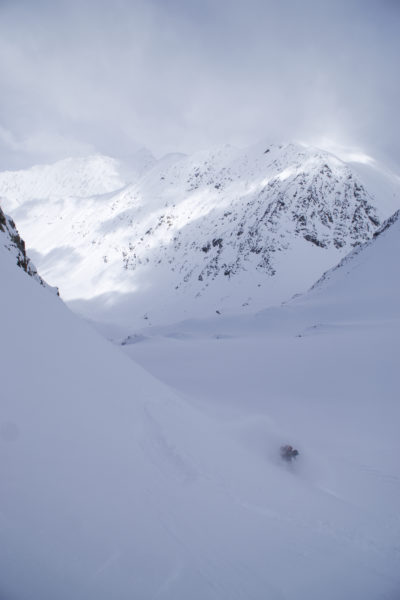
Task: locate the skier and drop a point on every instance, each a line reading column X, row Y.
column 288, row 452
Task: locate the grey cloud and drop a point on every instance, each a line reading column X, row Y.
column 181, row 75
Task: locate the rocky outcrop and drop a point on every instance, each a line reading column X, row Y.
column 12, row 241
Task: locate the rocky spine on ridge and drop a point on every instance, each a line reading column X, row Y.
column 13, row 242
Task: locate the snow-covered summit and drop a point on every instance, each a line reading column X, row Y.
column 224, row 230
column 77, row 177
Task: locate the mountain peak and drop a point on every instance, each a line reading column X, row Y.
column 227, row 230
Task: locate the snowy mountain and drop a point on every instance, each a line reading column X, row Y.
column 364, row 287
column 70, row 177
column 325, row 367
column 222, row 231
column 11, row 242
column 115, row 485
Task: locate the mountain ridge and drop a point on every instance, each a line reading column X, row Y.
column 227, row 230
column 11, row 241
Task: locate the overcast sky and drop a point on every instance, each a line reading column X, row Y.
column 181, row 75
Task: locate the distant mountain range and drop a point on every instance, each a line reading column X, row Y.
column 221, row 232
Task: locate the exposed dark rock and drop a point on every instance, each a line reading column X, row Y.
column 13, row 242
column 314, row 240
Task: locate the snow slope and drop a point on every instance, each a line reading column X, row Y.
column 225, row 230
column 363, row 288
column 323, row 367
column 116, row 486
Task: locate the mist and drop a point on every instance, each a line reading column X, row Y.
column 182, row 76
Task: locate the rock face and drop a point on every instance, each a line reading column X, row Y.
column 221, row 231
column 11, row 241
column 288, row 193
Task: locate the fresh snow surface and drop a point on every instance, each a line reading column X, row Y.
column 223, row 230
column 321, row 372
column 114, row 485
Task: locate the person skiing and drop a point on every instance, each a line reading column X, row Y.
column 288, row 452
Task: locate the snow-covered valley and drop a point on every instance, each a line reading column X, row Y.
column 199, row 300
column 150, row 468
